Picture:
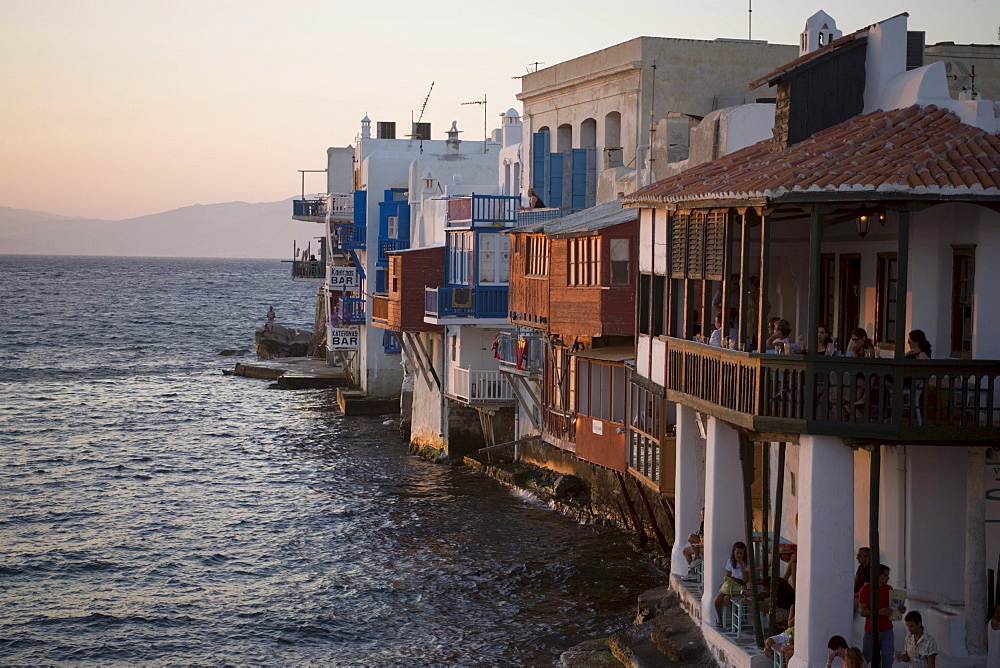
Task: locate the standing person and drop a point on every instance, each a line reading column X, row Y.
column 737, row 576
column 992, row 639
column 884, row 624
column 921, row 648
column 864, row 573
column 271, row 315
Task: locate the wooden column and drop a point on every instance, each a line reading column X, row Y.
column 779, row 495
column 815, row 248
column 765, row 281
column 746, row 459
column 902, row 276
column 765, row 474
column 873, row 491
column 742, row 325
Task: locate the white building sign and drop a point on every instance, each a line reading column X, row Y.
column 344, row 338
column 344, row 278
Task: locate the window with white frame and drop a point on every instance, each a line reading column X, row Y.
column 584, row 261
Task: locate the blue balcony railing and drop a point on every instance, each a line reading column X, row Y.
column 479, row 302
column 530, row 216
column 520, row 352
column 493, row 210
column 351, row 236
column 352, row 310
column 388, row 246
column 391, row 343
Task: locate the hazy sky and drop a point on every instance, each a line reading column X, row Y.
column 119, row 108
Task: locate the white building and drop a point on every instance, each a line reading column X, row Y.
column 874, row 206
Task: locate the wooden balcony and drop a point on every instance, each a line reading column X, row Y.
column 881, row 400
column 479, row 387
column 380, row 309
column 484, row 302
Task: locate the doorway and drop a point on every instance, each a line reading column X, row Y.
column 850, row 296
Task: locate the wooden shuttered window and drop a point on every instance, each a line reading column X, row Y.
column 715, row 245
column 698, row 245
column 678, row 245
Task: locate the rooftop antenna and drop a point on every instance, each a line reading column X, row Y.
column 531, row 68
column 749, row 20
column 485, row 135
column 413, row 127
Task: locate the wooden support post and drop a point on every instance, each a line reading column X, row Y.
column 779, row 495
column 765, row 281
column 765, row 473
column 746, row 459
column 902, row 276
column 636, row 522
column 812, row 318
column 743, row 326
column 873, row 535
column 660, row 538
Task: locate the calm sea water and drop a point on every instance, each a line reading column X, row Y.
column 154, row 510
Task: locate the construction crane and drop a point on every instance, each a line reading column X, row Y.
column 485, row 133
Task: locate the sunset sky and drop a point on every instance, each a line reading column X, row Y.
column 120, row 108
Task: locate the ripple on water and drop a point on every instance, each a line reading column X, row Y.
column 153, row 510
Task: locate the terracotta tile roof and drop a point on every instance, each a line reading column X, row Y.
column 913, row 151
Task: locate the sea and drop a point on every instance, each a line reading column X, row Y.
column 156, row 511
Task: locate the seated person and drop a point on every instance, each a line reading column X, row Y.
column 783, row 642
column 693, row 549
column 850, row 657
column 784, row 599
column 737, row 576
column 917, row 346
column 772, row 333
column 781, row 341
column 824, row 342
column 860, row 345
column 716, row 339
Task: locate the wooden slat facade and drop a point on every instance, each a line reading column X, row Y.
column 409, row 273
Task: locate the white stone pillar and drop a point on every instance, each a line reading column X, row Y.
column 689, row 485
column 824, row 598
column 723, row 508
column 975, row 551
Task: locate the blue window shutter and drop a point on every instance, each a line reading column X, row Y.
column 555, row 180
column 579, row 178
column 539, row 152
column 360, row 207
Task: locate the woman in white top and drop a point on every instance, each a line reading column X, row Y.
column 737, row 576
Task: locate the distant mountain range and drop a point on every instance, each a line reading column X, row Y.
column 233, row 229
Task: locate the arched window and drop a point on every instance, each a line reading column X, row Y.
column 588, row 133
column 564, row 138
column 545, row 129
column 613, row 130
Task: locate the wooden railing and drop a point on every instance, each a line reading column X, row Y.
column 912, row 401
column 480, row 387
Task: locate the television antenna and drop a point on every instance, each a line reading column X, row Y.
column 485, row 135
column 530, row 68
column 413, row 126
column 963, row 73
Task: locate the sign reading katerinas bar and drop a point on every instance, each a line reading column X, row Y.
column 344, row 278
column 345, row 338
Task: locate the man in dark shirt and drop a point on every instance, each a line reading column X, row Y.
column 864, row 573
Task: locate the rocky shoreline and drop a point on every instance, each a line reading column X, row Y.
column 663, row 634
